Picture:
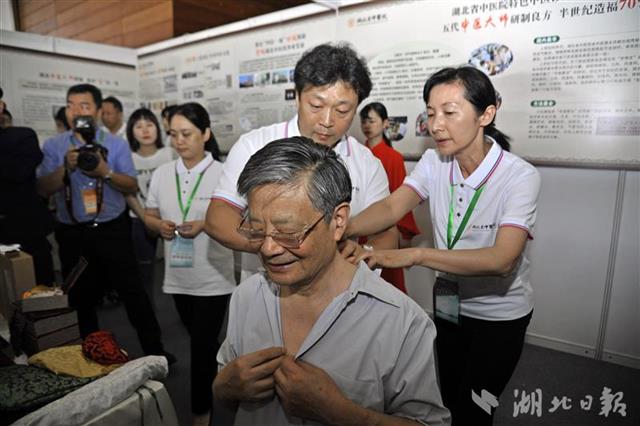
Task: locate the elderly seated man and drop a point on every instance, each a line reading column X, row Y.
column 315, row 338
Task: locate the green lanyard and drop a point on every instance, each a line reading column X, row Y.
column 465, row 219
column 185, row 211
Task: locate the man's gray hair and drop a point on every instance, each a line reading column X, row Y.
column 300, row 161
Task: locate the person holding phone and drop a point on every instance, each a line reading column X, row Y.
column 198, row 270
column 482, row 201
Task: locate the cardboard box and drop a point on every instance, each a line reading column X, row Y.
column 45, row 303
column 65, row 336
column 16, row 277
column 40, row 323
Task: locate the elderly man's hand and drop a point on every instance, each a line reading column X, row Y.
column 351, row 251
column 307, row 391
column 249, row 377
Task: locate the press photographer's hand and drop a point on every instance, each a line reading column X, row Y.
column 101, row 170
column 71, row 159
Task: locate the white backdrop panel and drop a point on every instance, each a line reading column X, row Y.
column 36, row 84
column 244, row 80
column 568, row 71
column 570, row 253
column 622, row 334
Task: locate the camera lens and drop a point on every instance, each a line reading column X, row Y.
column 88, row 160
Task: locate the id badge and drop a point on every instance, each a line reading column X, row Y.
column 181, row 253
column 90, row 201
column 446, row 300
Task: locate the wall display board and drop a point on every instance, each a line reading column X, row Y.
column 36, row 83
column 244, row 80
column 568, row 72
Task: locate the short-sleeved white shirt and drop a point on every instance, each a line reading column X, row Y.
column 212, row 271
column 368, row 177
column 121, row 133
column 145, row 166
column 509, row 199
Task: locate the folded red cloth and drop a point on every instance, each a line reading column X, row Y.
column 102, row 347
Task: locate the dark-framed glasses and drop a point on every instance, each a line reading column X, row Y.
column 291, row 240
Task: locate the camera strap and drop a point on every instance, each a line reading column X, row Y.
column 68, row 195
column 68, row 198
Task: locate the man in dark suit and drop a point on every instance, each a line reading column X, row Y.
column 24, row 217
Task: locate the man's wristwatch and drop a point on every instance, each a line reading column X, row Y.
column 108, row 176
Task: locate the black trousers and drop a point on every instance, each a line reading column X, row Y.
column 474, row 356
column 112, row 264
column 203, row 317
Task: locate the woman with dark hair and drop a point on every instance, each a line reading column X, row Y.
column 60, row 118
column 198, row 270
column 143, row 134
column 199, row 117
column 374, row 122
column 482, row 201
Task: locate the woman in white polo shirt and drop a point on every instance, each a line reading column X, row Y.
column 198, row 270
column 482, row 201
column 147, row 151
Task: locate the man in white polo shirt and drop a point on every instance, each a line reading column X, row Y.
column 331, row 81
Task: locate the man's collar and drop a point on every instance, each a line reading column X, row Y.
column 368, row 282
column 364, row 281
column 292, row 128
column 199, row 168
column 484, row 170
column 122, row 128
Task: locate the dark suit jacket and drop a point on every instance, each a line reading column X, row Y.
column 23, row 212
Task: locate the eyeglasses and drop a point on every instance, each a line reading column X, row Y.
column 291, row 240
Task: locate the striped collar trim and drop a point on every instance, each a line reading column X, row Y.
column 484, row 171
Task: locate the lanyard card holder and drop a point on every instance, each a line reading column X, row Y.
column 446, row 300
column 182, row 252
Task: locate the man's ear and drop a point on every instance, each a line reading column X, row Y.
column 341, row 219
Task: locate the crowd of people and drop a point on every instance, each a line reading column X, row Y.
column 315, row 331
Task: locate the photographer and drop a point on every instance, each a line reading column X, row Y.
column 89, row 173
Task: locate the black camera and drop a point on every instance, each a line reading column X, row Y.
column 89, row 153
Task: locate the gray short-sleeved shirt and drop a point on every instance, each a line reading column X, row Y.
column 374, row 341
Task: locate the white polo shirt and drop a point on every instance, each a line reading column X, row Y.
column 368, row 177
column 121, row 133
column 509, row 199
column 145, row 166
column 212, row 271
